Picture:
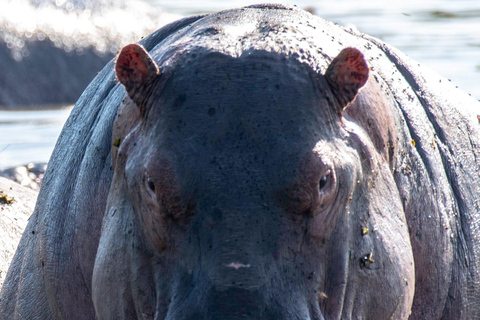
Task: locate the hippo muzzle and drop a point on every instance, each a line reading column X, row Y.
column 237, row 274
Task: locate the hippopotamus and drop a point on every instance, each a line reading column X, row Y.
column 257, row 163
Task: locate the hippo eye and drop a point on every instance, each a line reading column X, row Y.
column 324, row 181
column 151, row 185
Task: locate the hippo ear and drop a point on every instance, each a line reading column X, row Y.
column 135, row 69
column 346, row 74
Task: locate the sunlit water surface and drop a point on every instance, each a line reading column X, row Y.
column 443, row 35
column 29, row 136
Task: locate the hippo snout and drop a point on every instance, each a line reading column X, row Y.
column 228, row 287
column 238, row 282
column 223, row 303
column 240, row 303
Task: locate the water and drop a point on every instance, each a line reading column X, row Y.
column 441, row 34
column 29, row 136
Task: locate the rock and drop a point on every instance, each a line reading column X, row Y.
column 16, row 206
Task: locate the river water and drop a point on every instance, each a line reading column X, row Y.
column 441, row 34
column 29, row 136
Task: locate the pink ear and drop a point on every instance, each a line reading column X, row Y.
column 135, row 68
column 346, row 74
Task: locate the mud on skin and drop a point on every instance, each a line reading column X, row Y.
column 252, row 164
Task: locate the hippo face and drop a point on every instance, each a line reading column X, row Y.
column 242, row 190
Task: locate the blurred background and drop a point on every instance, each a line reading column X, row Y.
column 51, row 49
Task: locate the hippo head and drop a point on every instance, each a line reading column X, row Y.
column 243, row 189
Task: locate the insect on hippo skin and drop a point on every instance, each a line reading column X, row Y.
column 258, row 163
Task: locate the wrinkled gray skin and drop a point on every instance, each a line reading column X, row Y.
column 243, row 185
